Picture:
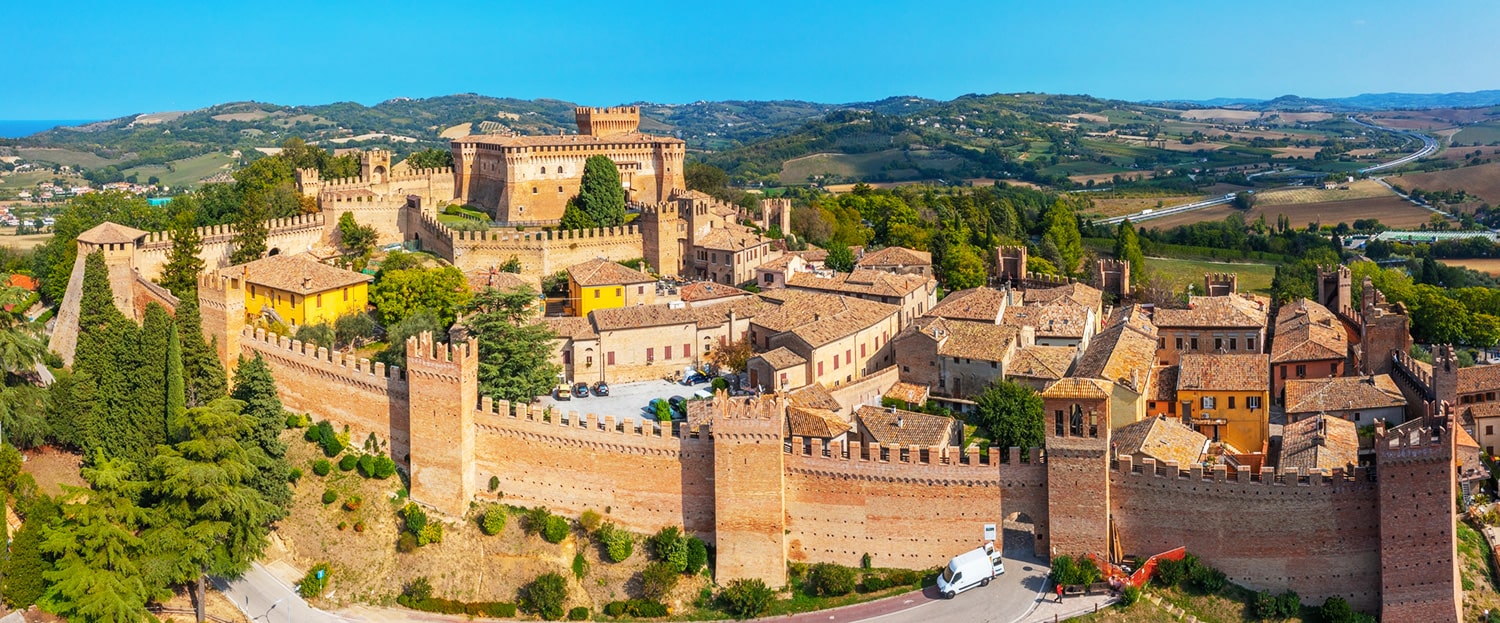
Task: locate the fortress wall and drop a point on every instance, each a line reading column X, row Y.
column 286, row 235
column 433, row 236
column 642, row 479
column 544, row 252
column 1319, row 536
column 915, row 513
column 381, row 213
column 365, row 396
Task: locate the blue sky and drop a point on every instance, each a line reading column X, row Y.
column 89, row 59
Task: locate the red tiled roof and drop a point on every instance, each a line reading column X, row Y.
column 1223, row 372
column 602, row 272
column 895, row 256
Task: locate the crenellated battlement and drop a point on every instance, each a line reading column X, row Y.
column 606, row 432
column 426, row 356
column 968, row 462
column 218, row 233
column 353, row 368
column 1150, row 468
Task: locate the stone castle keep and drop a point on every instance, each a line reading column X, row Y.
column 1380, row 536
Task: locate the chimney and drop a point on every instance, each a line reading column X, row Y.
column 900, row 421
column 306, row 281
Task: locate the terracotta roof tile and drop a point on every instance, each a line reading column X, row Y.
column 1163, row 384
column 661, row 314
column 1120, row 354
column 1307, row 331
column 819, row 318
column 978, row 304
column 1319, row 442
column 25, row 282
column 1235, row 310
column 821, row 423
column 1162, row 438
column 968, row 340
column 781, row 358
column 111, row 233
column 1075, row 387
column 813, row 396
column 1056, row 321
column 563, row 139
column 602, row 272
column 1344, row 393
column 863, row 281
column 298, row 274
column 1073, row 293
column 571, row 327
column 897, row 427
column 1224, row 372
column 909, row 393
column 1042, row 362
column 1483, row 378
column 895, row 256
column 731, row 238
column 708, row 291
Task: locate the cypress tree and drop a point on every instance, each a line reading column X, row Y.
column 256, row 388
column 150, row 381
column 249, row 233
column 176, row 391
column 203, row 375
column 1128, row 248
column 600, row 194
column 70, row 400
column 180, row 275
column 107, row 343
column 23, row 582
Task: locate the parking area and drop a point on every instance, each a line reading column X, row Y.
column 627, row 401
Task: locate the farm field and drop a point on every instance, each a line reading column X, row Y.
column 1117, row 206
column 1253, row 277
column 11, row 183
column 1485, row 133
column 1482, row 181
column 1487, row 265
column 1358, row 189
column 185, row 172
column 68, row 157
column 893, row 162
column 21, row 243
column 1391, row 211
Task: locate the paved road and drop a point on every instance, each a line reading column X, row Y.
column 1011, row 597
column 1429, row 146
column 1160, row 212
column 264, row 598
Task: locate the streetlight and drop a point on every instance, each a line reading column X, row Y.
column 267, row 613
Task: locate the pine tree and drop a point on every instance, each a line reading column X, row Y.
column 203, row 375
column 207, row 518
column 600, row 194
column 1128, row 248
column 22, row 580
column 1062, row 231
column 176, row 385
column 180, row 275
column 249, row 234
column 255, row 387
column 97, row 575
column 514, row 350
column 575, row 218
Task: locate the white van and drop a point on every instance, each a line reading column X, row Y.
column 970, row 569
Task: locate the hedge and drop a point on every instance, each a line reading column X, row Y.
column 641, row 608
column 581, row 613
column 490, row 609
column 321, row 467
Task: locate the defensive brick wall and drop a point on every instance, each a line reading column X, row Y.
column 641, row 478
column 914, row 508
column 1314, row 534
column 284, row 235
column 368, row 397
column 543, row 253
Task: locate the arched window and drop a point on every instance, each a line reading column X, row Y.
column 544, row 170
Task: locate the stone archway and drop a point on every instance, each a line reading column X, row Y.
column 273, row 251
column 1018, row 536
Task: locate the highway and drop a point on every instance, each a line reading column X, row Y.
column 1429, row 147
column 1160, row 212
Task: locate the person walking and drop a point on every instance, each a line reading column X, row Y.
column 1059, row 593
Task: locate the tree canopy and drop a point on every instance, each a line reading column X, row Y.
column 1011, row 414
column 514, row 348
column 398, row 293
column 601, row 197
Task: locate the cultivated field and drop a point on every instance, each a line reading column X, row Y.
column 894, row 162
column 21, row 243
column 1358, row 189
column 1220, row 114
column 1083, row 116
column 1118, row 206
column 185, row 172
column 1390, row 211
column 69, row 157
column 1296, row 152
column 1252, row 277
column 1488, row 265
column 460, row 130
column 1482, row 181
column 1484, row 134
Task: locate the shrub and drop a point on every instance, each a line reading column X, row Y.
column 829, row 580
column 1129, row 595
column 321, row 467
column 494, row 483
column 580, row 565
column 324, row 435
column 668, row 545
column 618, row 544
column 1067, row 570
column 545, row 596
column 719, row 383
column 746, row 599
column 1336, row 610
column 1208, row 579
column 329, row 496
column 1263, row 605
column 384, row 467
column 697, row 555
column 316, row 580
column 555, row 529
column 872, row 583
column 352, row 503
column 414, row 518
column 406, row 543
column 418, row 589
column 658, row 579
column 615, row 609
column 493, row 520
column 1169, row 572
column 366, row 466
column 1288, row 604
column 359, row 526
column 348, row 462
column 343, row 525
column 590, row 521
column 864, row 561
column 581, row 613
column 431, row 533
column 294, row 421
column 294, row 475
column 636, row 608
column 904, row 577
column 536, row 519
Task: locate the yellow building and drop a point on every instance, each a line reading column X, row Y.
column 602, row 284
column 301, row 290
column 1227, row 398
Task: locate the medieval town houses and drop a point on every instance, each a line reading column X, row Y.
column 863, row 366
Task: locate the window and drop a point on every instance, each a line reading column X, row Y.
column 1179, row 343
column 994, row 364
column 1333, row 369
column 1250, row 343
column 783, row 379
column 687, row 350
column 861, row 351
column 618, row 291
column 1489, row 395
column 768, row 278
column 609, row 357
column 668, row 352
column 1489, row 429
column 320, row 301
column 1208, row 402
column 1283, row 372
column 906, row 368
column 1252, row 402
column 1161, row 343
column 559, row 189
column 1234, row 343
column 567, row 357
column 596, row 293
column 1057, row 418
column 849, row 356
column 535, row 190
column 640, row 289
column 1301, row 370
column 346, row 295
column 544, row 170
column 1218, row 343
column 1194, row 343
column 820, row 368
column 1231, row 402
column 835, row 362
column 650, row 354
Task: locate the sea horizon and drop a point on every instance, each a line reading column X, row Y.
column 18, row 128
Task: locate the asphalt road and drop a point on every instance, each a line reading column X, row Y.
column 625, row 401
column 266, row 599
column 1429, row 146
column 1008, row 599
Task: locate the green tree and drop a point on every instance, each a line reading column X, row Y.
column 600, row 194
column 250, row 233
column 357, row 241
column 431, row 158
column 180, row 275
column 574, row 217
column 840, row 258
column 109, row 352
column 962, row 268
column 70, row 403
column 23, row 580
column 208, row 518
column 23, row 410
column 20, row 346
column 706, row 178
column 398, row 294
column 203, row 374
column 1012, row 415
column 423, row 320
column 514, row 349
column 1128, row 248
column 54, row 260
column 1062, row 231
column 176, row 382
column 97, row 576
column 256, row 388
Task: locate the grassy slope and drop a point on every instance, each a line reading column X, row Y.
column 1252, row 277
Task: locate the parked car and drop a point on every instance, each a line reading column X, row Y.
column 562, row 392
column 970, row 569
column 651, row 408
column 581, row 390
column 601, row 389
column 679, row 404
column 703, row 394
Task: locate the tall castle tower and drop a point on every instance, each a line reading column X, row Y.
column 118, row 243
column 221, row 305
column 663, row 237
column 1418, row 542
column 607, row 121
column 749, row 495
column 443, row 386
column 776, row 212
column 1076, row 414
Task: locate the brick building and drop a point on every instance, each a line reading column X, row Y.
column 1227, row 398
column 898, row 260
column 840, row 338
column 1309, row 342
column 957, row 359
column 1233, row 323
column 1359, row 399
column 914, row 294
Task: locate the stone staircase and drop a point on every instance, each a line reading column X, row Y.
column 1177, row 613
